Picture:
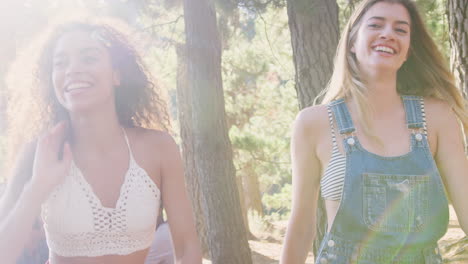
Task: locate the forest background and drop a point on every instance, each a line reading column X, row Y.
column 235, row 74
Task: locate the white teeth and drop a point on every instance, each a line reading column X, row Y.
column 77, row 85
column 384, row 49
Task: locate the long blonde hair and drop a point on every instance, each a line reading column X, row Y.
column 424, row 73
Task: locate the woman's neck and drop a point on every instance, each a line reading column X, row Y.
column 97, row 132
column 382, row 93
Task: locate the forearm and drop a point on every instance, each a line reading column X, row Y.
column 459, row 201
column 16, row 227
column 8, row 200
column 5, row 205
column 190, row 253
column 296, row 245
column 9, row 197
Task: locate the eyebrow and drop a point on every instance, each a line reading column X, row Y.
column 82, row 51
column 383, row 19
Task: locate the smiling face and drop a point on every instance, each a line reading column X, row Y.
column 82, row 72
column 383, row 38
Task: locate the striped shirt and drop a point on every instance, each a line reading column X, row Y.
column 332, row 181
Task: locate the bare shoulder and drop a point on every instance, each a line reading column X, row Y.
column 151, row 137
column 437, row 105
column 152, row 150
column 439, row 113
column 313, row 116
column 441, row 121
column 152, row 143
column 312, row 120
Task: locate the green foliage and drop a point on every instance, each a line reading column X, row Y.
column 280, row 202
column 254, row 5
column 162, row 28
column 433, row 12
column 258, row 80
column 261, row 102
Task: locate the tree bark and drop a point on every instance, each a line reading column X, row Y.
column 243, row 205
column 314, row 30
column 253, row 197
column 184, row 106
column 457, row 11
column 225, row 230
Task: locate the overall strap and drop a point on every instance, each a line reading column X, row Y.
column 343, row 118
column 415, row 115
column 330, row 119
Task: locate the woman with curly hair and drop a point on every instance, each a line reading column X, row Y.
column 96, row 175
column 384, row 149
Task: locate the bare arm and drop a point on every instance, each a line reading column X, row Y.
column 452, row 161
column 179, row 211
column 16, row 228
column 305, row 180
column 48, row 170
column 21, row 174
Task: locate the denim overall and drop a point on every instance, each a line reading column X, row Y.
column 393, row 209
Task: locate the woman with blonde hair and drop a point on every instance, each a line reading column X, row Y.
column 385, row 149
column 96, row 175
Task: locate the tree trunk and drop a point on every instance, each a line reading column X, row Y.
column 314, row 30
column 244, row 208
column 253, row 198
column 250, row 198
column 184, row 106
column 212, row 160
column 457, row 11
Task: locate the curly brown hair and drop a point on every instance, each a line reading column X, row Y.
column 136, row 100
column 33, row 106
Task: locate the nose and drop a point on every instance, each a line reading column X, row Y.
column 387, row 33
column 74, row 67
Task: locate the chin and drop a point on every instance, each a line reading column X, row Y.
column 385, row 67
column 83, row 107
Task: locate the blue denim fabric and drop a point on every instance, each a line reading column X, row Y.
column 393, row 209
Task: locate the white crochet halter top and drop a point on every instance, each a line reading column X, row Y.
column 77, row 224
